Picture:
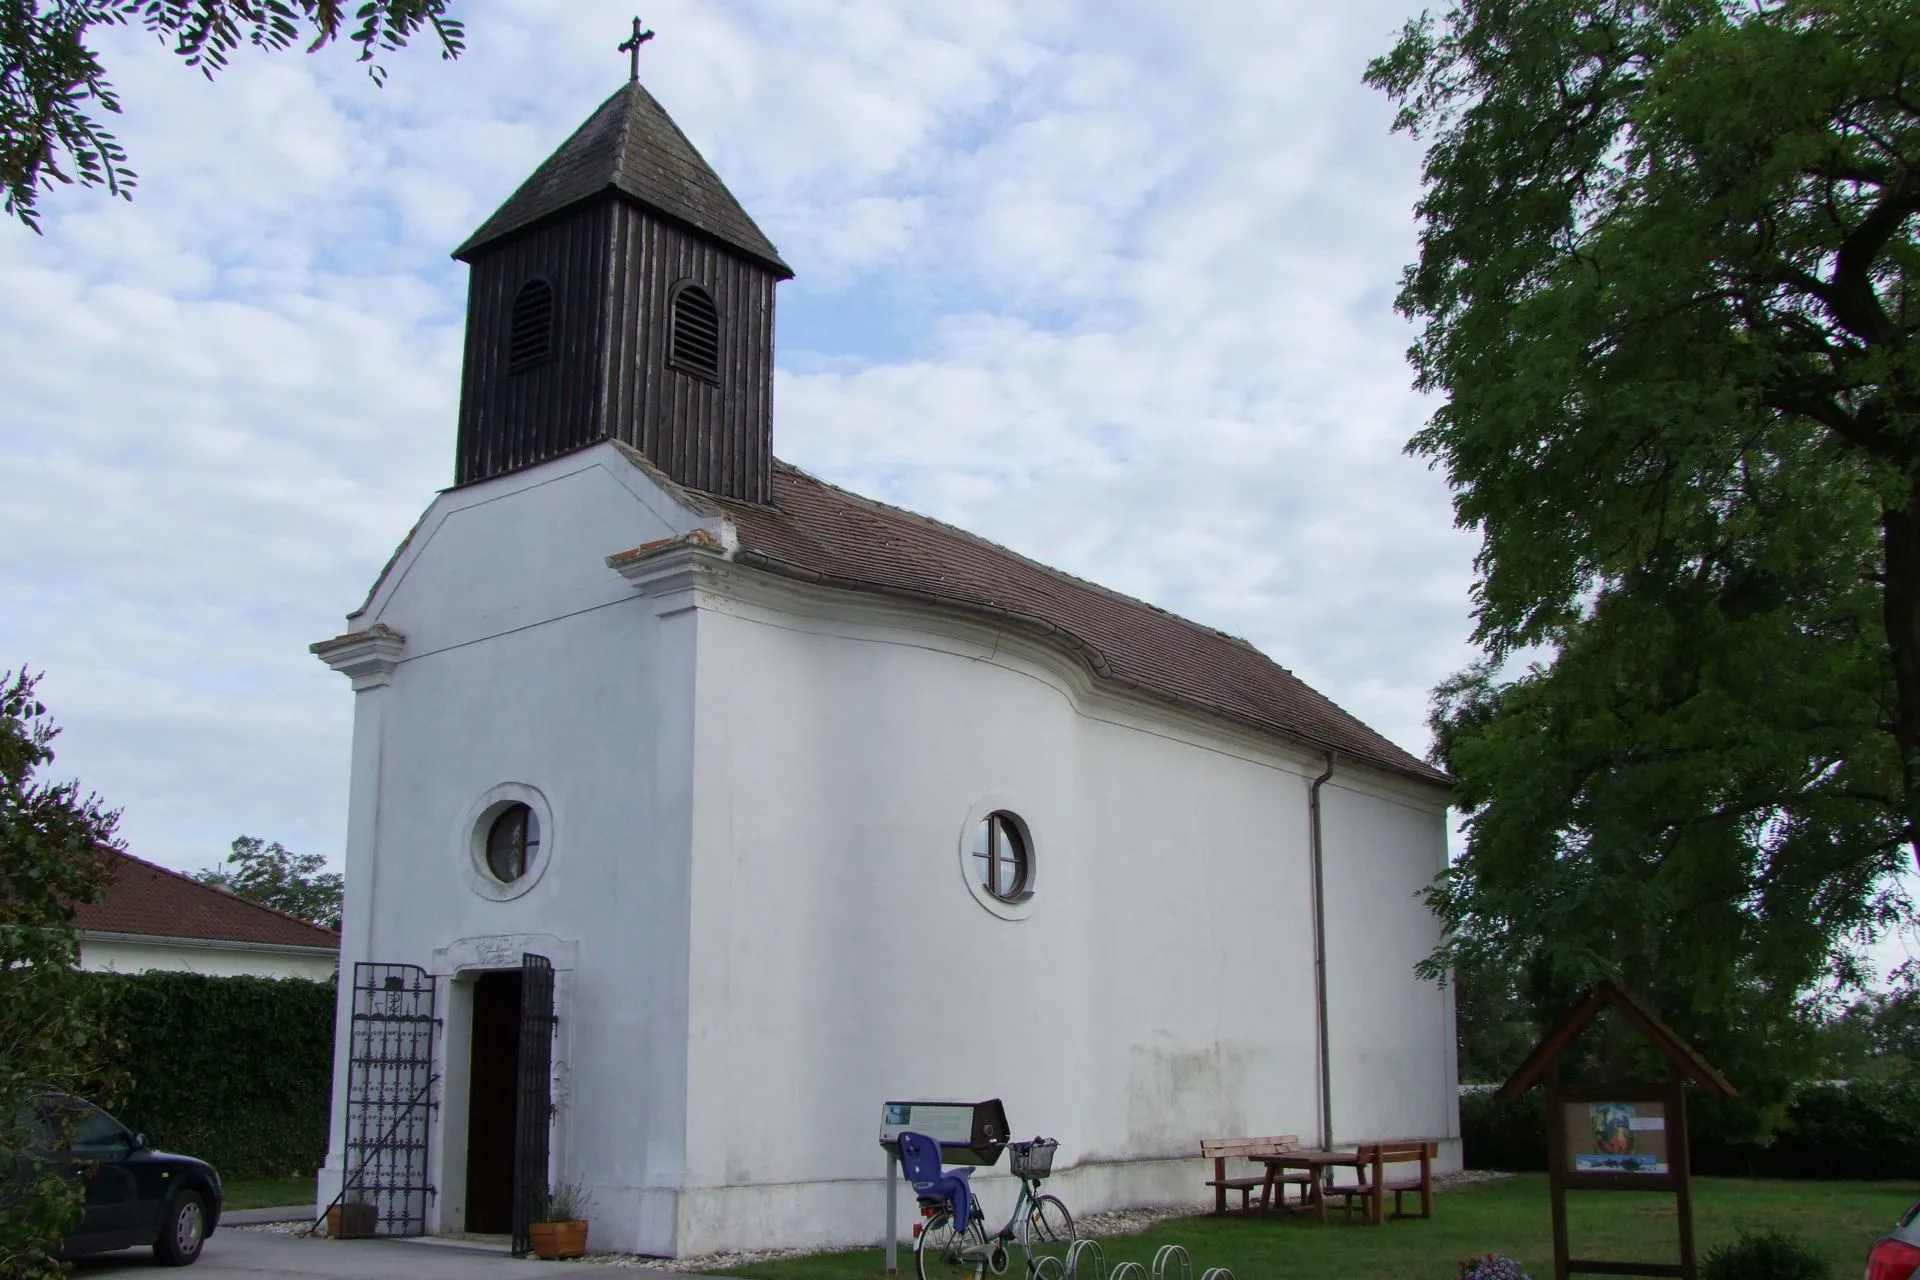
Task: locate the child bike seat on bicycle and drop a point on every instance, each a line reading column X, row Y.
column 920, row 1157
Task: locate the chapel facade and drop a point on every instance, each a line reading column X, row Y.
column 698, row 806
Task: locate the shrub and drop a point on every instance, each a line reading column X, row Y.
column 1498, row 1134
column 1765, row 1255
column 1492, row 1266
column 235, row 1071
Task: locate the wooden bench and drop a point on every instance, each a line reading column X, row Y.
column 1220, row 1150
column 1374, row 1184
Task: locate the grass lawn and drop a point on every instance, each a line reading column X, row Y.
column 1840, row 1219
column 267, row 1193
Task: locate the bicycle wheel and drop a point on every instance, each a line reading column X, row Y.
column 1046, row 1233
column 942, row 1253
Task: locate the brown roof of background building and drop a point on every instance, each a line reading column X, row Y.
column 817, row 532
column 144, row 899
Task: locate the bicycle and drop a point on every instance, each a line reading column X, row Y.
column 1040, row 1223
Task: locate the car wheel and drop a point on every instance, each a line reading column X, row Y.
column 182, row 1231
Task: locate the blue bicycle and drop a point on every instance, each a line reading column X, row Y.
column 952, row 1239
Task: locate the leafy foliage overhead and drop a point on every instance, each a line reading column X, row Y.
column 52, row 83
column 1667, row 296
column 273, row 876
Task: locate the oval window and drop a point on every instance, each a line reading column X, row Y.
column 512, row 842
column 1000, row 860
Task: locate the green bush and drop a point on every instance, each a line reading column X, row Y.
column 235, row 1071
column 1497, row 1134
column 1765, row 1255
column 1863, row 1129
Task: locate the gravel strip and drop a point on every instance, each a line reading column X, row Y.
column 1117, row 1222
column 1113, row 1222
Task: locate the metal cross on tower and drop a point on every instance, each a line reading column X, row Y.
column 632, row 46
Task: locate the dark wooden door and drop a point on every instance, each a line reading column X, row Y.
column 493, row 1085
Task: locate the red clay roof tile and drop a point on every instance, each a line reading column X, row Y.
column 816, row 531
column 142, row 898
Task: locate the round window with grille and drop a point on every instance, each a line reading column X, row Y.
column 696, row 333
column 513, row 841
column 1000, row 862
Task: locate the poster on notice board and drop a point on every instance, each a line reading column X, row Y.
column 1617, row 1137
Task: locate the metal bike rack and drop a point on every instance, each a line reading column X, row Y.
column 1128, row 1271
column 1216, row 1273
column 1169, row 1257
column 1085, row 1261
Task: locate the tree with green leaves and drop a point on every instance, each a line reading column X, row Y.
column 273, row 876
column 52, row 83
column 1667, row 298
column 55, row 848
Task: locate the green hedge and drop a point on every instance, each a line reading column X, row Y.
column 235, row 1071
column 1868, row 1128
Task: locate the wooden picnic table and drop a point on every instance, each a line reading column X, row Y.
column 1371, row 1185
column 1318, row 1164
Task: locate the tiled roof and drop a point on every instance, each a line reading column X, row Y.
column 144, row 899
column 630, row 147
column 820, row 533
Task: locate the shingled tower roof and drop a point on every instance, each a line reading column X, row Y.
column 630, row 148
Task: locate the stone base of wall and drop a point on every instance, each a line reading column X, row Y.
column 851, row 1213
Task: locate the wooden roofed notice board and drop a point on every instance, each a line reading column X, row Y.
column 1618, row 1135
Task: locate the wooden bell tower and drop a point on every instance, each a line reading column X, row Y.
column 622, row 293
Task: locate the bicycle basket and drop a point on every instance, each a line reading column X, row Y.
column 1031, row 1159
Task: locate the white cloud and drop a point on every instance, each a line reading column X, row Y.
column 1110, row 284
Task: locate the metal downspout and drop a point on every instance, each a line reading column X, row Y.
column 1320, row 956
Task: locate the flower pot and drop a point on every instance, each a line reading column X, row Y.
column 350, row 1221
column 559, row 1239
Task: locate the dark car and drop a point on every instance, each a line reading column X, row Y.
column 1897, row 1255
column 134, row 1194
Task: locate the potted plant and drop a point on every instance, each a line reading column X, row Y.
column 561, row 1231
column 350, row 1219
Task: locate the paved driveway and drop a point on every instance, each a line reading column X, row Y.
column 255, row 1255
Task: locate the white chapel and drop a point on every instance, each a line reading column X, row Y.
column 699, row 807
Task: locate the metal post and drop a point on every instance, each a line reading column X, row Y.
column 893, row 1211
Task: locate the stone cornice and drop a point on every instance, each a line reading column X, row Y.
column 367, row 658
column 672, row 571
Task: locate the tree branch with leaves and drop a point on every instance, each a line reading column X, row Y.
column 273, row 876
column 1666, row 298
column 54, row 89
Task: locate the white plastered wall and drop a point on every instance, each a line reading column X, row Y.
column 216, row 960
column 1392, row 1035
column 1161, row 989
column 527, row 662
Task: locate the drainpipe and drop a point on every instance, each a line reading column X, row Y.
column 1320, row 955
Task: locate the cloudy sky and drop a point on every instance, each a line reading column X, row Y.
column 1108, row 283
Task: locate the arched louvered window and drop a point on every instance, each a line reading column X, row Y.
column 696, row 333
column 530, row 333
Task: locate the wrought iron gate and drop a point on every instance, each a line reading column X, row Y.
column 390, row 1096
column 533, row 1110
